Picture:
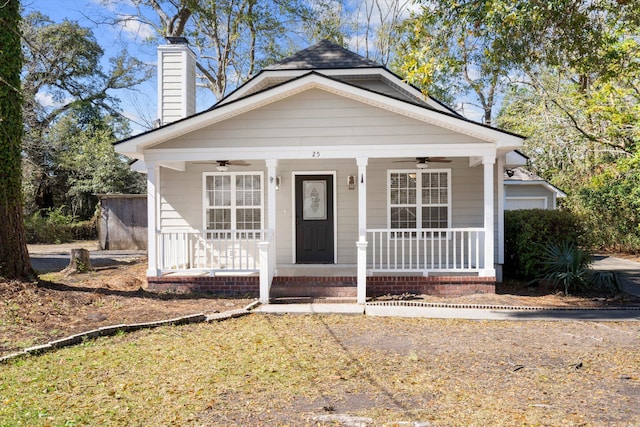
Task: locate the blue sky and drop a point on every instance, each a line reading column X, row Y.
column 139, row 103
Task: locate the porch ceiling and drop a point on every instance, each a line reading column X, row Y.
column 321, row 153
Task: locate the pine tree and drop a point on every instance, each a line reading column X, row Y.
column 14, row 257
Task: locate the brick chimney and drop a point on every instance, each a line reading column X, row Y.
column 176, row 80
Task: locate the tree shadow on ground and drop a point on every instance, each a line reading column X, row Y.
column 137, row 293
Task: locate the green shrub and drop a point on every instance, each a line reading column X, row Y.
column 84, row 230
column 52, row 226
column 528, row 232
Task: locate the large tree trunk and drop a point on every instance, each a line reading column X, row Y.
column 14, row 257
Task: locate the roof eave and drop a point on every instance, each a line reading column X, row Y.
column 134, row 146
column 544, row 183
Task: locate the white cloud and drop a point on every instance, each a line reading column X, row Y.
column 134, row 28
column 48, row 101
column 113, row 5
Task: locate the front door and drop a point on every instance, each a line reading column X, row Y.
column 314, row 219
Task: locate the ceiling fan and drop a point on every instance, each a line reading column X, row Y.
column 423, row 162
column 223, row 165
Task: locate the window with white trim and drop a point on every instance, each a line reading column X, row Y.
column 419, row 199
column 233, row 201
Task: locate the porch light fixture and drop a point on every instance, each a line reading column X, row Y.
column 351, row 182
column 278, row 182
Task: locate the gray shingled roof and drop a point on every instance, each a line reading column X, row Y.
column 325, row 54
column 521, row 174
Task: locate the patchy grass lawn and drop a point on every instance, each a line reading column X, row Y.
column 61, row 305
column 288, row 370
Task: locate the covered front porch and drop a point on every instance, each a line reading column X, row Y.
column 369, row 252
column 237, row 263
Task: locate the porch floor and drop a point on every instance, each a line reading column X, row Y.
column 313, row 270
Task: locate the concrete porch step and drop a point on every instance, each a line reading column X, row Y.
column 313, row 300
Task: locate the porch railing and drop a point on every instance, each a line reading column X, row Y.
column 428, row 250
column 210, row 250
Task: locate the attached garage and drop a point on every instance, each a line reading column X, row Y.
column 515, row 203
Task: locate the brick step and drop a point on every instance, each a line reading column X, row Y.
column 314, row 291
column 314, row 287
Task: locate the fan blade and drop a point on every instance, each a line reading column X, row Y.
column 438, row 160
column 224, row 163
column 404, row 161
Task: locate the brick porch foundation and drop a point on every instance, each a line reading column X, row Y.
column 236, row 286
column 441, row 286
column 239, row 286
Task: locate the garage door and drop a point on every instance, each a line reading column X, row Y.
column 514, row 203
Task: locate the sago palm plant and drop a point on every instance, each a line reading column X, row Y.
column 566, row 264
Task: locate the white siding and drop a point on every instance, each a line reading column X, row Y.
column 177, row 83
column 317, row 118
column 190, row 87
column 171, row 86
column 181, row 204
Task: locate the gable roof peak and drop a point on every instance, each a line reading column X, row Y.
column 323, row 55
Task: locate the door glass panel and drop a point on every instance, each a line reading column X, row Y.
column 314, row 199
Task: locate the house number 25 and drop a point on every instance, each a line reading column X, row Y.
column 315, row 154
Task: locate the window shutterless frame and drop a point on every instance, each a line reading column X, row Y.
column 238, row 200
column 411, row 193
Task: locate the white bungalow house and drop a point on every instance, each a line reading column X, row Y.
column 325, row 169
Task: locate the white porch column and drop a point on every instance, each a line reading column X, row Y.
column 362, row 229
column 270, row 249
column 501, row 199
column 272, row 165
column 265, row 277
column 153, row 186
column 489, row 263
